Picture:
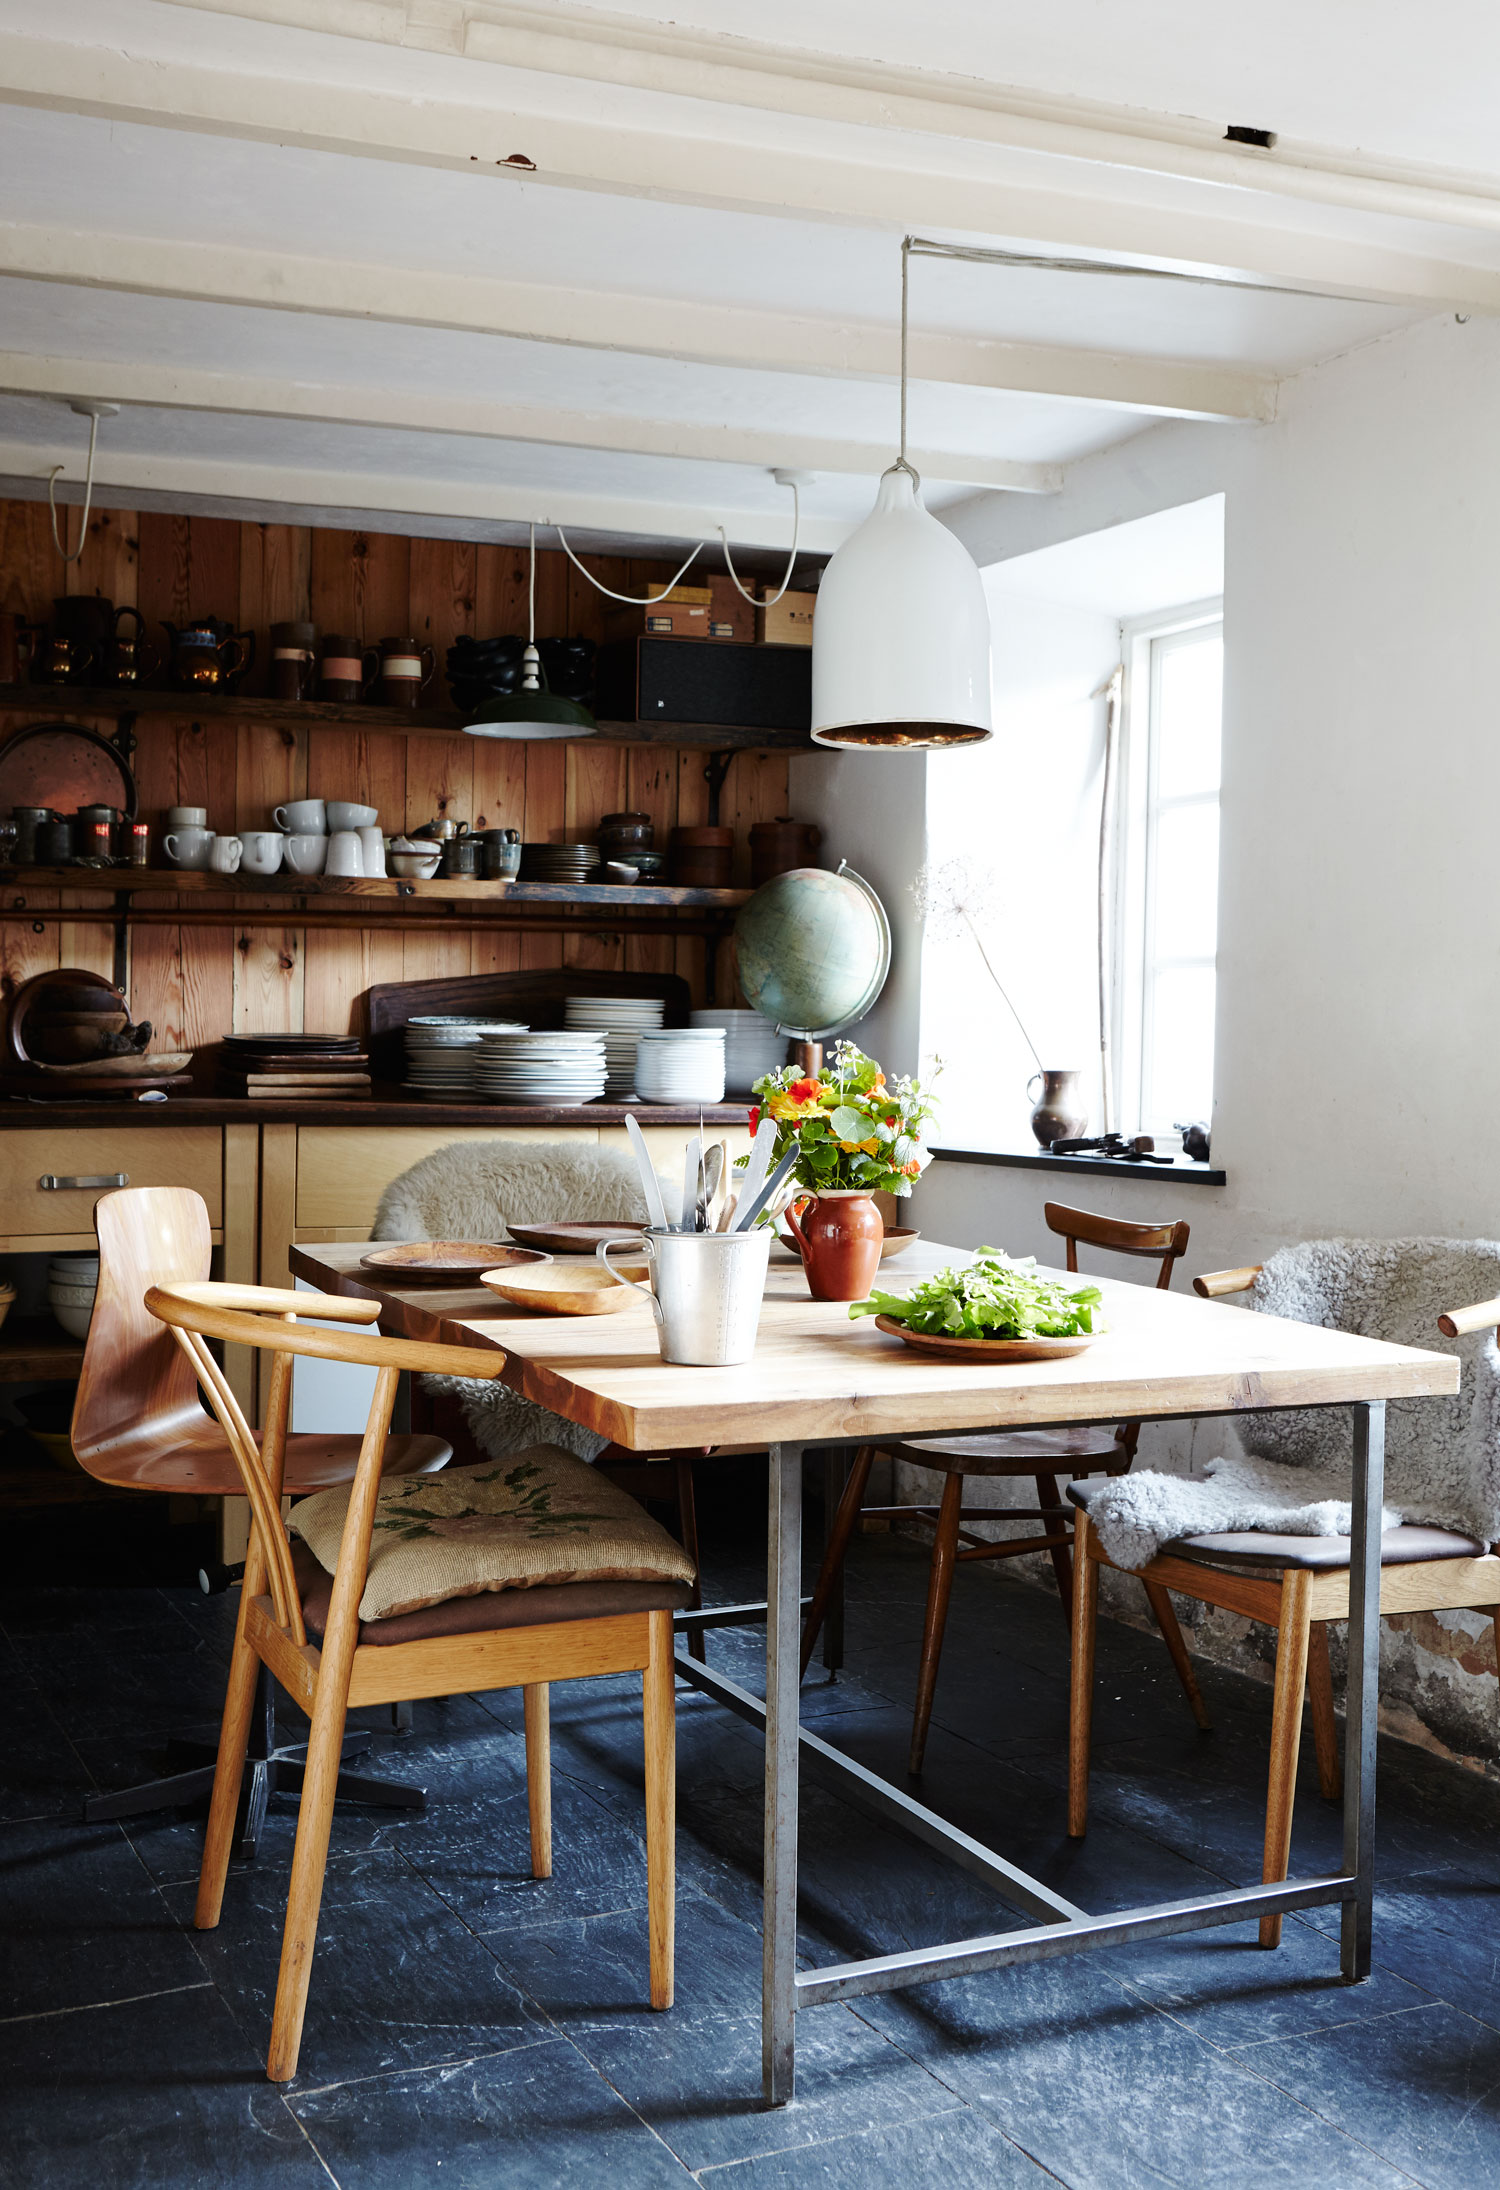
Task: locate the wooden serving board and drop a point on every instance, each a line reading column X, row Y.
column 445, row 1261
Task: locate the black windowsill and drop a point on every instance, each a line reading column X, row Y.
column 1181, row 1171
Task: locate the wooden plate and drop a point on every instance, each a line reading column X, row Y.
column 445, row 1261
column 992, row 1349
column 570, row 1239
column 896, row 1241
column 586, row 1290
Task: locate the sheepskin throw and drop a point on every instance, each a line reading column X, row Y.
column 1442, row 1455
column 535, row 1518
column 473, row 1190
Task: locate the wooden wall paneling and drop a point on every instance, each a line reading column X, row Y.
column 444, row 595
column 275, row 587
column 692, row 813
column 593, row 785
column 546, row 799
column 270, row 768
column 651, row 788
column 440, row 771
column 110, row 562
column 31, row 571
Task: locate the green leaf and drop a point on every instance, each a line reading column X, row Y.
column 847, row 1124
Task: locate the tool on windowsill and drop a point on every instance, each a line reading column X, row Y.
column 1139, row 1149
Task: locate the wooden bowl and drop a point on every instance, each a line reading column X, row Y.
column 988, row 1349
column 572, row 1239
column 446, row 1261
column 559, row 1290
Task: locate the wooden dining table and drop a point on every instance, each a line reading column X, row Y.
column 819, row 1381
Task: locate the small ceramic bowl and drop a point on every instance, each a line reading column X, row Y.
column 416, row 866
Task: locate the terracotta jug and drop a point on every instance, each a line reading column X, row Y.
column 839, row 1238
column 1061, row 1113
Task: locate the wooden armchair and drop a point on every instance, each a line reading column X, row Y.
column 312, row 1639
column 1296, row 1584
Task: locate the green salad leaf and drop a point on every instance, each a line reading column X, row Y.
column 992, row 1297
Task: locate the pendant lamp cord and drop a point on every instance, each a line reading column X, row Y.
column 88, row 496
column 901, row 463
column 637, row 600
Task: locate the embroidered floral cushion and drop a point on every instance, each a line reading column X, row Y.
column 537, row 1516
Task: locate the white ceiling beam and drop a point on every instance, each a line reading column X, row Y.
column 590, row 134
column 173, row 387
column 700, row 334
column 320, row 495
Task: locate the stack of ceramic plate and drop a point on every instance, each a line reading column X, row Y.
column 752, row 1046
column 441, row 1053
column 558, row 862
column 622, row 1020
column 681, row 1065
column 72, row 1281
column 562, row 1066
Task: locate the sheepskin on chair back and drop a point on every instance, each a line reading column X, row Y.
column 472, row 1190
column 1442, row 1455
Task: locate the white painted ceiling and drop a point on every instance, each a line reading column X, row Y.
column 1171, row 559
column 273, row 242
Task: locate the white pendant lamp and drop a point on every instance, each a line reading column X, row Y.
column 901, row 639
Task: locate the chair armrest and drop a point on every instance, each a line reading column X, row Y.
column 1458, row 1321
column 276, row 1300
column 174, row 1304
column 1215, row 1283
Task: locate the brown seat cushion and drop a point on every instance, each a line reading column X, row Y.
column 1258, row 1548
column 496, row 1608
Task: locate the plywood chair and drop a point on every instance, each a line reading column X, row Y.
column 309, row 1634
column 1041, row 1454
column 1295, row 1584
column 138, row 1423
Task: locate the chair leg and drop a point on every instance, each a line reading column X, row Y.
column 687, row 1529
column 1286, row 1734
column 1171, row 1635
column 535, row 1702
column 1081, row 1692
column 939, row 1589
column 1062, row 1558
column 1324, row 1725
column 838, row 1545
column 229, row 1773
column 659, row 1703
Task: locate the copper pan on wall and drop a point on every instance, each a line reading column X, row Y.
column 65, row 766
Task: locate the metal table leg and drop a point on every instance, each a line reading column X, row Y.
column 835, row 1470
column 1363, row 1702
column 783, row 1654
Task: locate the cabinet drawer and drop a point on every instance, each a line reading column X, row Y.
column 342, row 1170
column 120, row 1154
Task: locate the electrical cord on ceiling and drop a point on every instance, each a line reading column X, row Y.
column 636, row 600
column 88, row 496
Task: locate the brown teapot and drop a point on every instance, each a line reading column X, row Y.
column 209, row 656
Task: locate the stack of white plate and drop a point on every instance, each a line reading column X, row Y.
column 564, row 1065
column 441, row 1053
column 622, row 1020
column 72, row 1281
column 752, row 1046
column 681, row 1065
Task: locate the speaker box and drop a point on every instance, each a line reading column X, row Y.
column 706, row 680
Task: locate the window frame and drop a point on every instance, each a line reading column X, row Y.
column 1134, row 831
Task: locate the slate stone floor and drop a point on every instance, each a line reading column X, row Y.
column 471, row 2027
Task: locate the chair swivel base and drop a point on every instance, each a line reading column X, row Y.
column 269, row 1770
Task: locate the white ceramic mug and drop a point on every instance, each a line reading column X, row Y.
column 190, row 848
column 341, row 815
column 262, row 850
column 304, row 851
column 224, row 855
column 372, row 848
column 302, row 817
column 705, row 1291
column 344, row 854
column 187, row 817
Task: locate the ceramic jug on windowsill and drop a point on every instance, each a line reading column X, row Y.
column 1061, row 1114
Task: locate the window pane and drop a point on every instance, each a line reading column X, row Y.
column 1185, row 875
column 1180, row 1063
column 1189, row 698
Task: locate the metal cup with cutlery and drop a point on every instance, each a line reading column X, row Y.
column 705, row 1291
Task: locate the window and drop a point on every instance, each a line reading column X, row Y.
column 1167, row 869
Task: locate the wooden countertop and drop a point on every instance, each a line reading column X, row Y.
column 386, row 1107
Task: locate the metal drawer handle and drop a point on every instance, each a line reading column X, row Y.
column 52, row 1182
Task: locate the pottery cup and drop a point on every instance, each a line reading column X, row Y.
column 341, row 815
column 262, row 850
column 188, row 847
column 372, row 848
column 224, row 855
column 187, row 817
column 302, row 817
column 344, row 854
column 304, row 851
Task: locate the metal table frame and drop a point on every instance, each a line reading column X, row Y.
column 1064, row 1928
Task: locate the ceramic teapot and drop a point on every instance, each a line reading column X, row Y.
column 209, row 656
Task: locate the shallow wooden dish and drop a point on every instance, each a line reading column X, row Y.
column 988, row 1349
column 896, row 1241
column 446, row 1261
column 571, row 1239
column 586, row 1290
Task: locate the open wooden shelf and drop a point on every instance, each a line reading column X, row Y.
column 35, row 1349
column 118, row 700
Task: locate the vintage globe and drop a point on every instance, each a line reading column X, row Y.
column 814, row 950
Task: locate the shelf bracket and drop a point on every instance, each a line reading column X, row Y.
column 123, row 737
column 714, row 773
column 120, row 954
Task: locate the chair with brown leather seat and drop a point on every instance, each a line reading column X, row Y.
column 1041, row 1454
column 457, row 1632
column 138, row 1424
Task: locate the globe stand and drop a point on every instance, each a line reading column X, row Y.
column 810, row 1059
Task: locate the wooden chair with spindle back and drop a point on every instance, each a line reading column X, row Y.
column 1296, row 1585
column 138, row 1423
column 308, row 1631
column 1041, row 1454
